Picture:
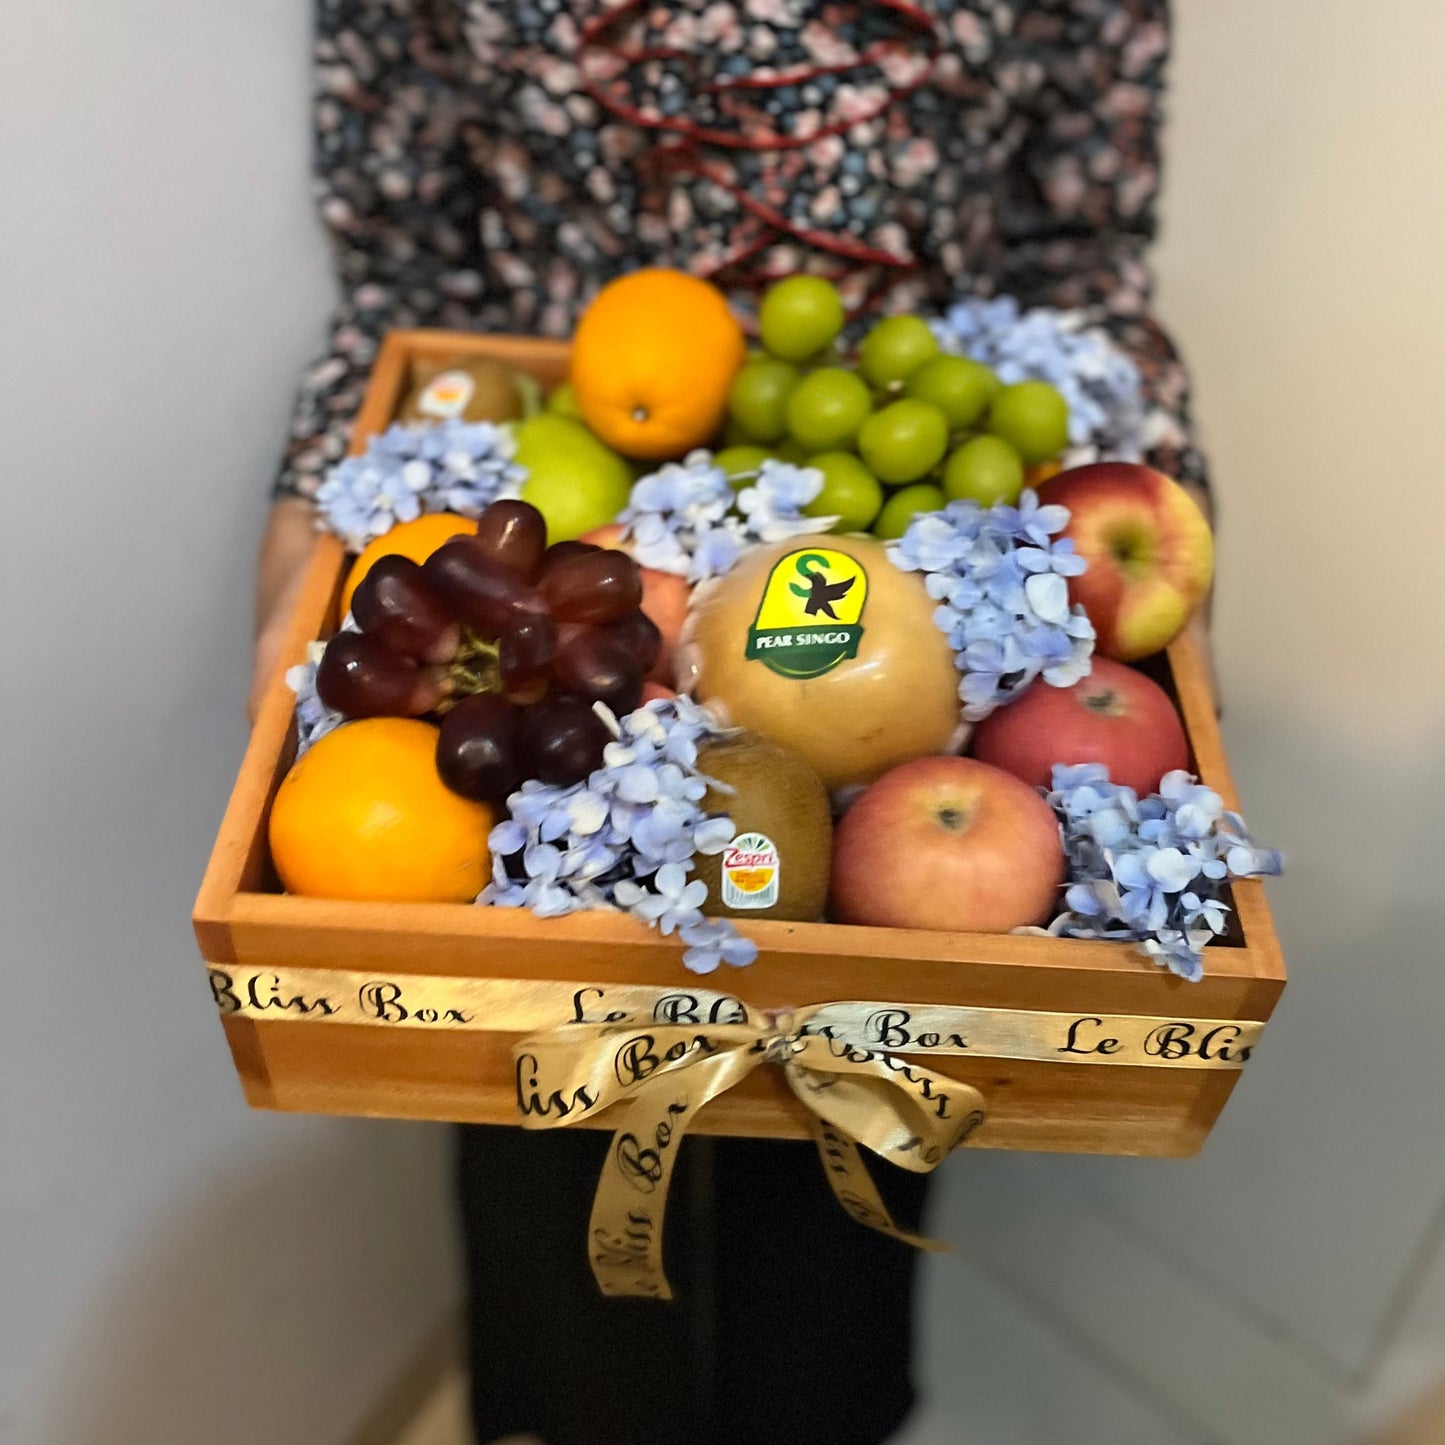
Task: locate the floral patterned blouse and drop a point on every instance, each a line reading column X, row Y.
column 488, row 164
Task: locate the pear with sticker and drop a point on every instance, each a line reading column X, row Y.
column 823, row 645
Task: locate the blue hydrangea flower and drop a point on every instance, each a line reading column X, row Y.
column 686, row 518
column 627, row 837
column 1102, row 386
column 313, row 718
column 712, row 941
column 1000, row 578
column 1151, row 869
column 772, row 507
column 449, row 466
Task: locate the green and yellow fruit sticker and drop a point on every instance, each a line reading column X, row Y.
column 810, row 618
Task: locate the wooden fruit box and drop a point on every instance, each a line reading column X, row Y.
column 247, row 928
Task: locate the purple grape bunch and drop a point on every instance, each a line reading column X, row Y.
column 509, row 641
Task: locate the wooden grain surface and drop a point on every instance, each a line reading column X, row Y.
column 241, row 917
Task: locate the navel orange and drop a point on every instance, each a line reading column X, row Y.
column 416, row 539
column 652, row 362
column 364, row 815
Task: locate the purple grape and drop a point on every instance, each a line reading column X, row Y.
column 602, row 586
column 562, row 740
column 639, row 634
column 394, row 604
column 486, row 595
column 478, row 750
column 360, row 677
column 514, row 533
column 599, row 668
column 525, row 653
column 560, row 552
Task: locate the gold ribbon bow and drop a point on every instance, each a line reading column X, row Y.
column 660, row 1075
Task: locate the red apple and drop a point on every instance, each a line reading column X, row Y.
column 1149, row 549
column 1115, row 716
column 656, row 692
column 947, row 843
column 665, row 598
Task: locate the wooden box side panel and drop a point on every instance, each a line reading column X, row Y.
column 469, row 1078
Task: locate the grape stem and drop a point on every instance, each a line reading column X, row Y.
column 475, row 670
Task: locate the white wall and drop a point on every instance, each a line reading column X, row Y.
column 1291, row 1279
column 173, row 1269
column 1303, row 264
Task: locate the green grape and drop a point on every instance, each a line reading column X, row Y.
column 1033, row 418
column 759, row 397
column 895, row 348
column 826, row 409
column 800, row 316
column 986, row 470
column 741, row 463
column 850, row 492
column 905, row 504
column 792, row 451
column 961, row 389
column 904, row 441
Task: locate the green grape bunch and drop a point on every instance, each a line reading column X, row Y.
column 896, row 427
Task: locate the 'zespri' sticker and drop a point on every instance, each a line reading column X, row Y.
column 810, row 618
column 751, row 872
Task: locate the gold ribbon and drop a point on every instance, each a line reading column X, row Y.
column 281, row 993
column 660, row 1075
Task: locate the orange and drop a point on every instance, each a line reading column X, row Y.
column 417, row 539
column 364, row 815
column 652, row 362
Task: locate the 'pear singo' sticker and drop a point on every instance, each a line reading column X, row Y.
column 810, row 618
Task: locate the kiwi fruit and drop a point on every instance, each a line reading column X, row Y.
column 770, row 792
column 497, row 394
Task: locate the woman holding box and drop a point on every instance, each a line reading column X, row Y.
column 488, row 166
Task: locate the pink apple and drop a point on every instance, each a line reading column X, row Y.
column 656, row 692
column 950, row 844
column 665, row 598
column 1115, row 716
column 1149, row 549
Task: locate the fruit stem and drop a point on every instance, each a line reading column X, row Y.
column 475, row 669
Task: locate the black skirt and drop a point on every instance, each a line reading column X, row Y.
column 789, row 1320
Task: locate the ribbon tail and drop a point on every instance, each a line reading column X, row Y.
column 854, row 1189
column 900, row 1110
column 624, row 1233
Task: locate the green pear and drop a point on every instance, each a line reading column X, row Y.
column 575, row 481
